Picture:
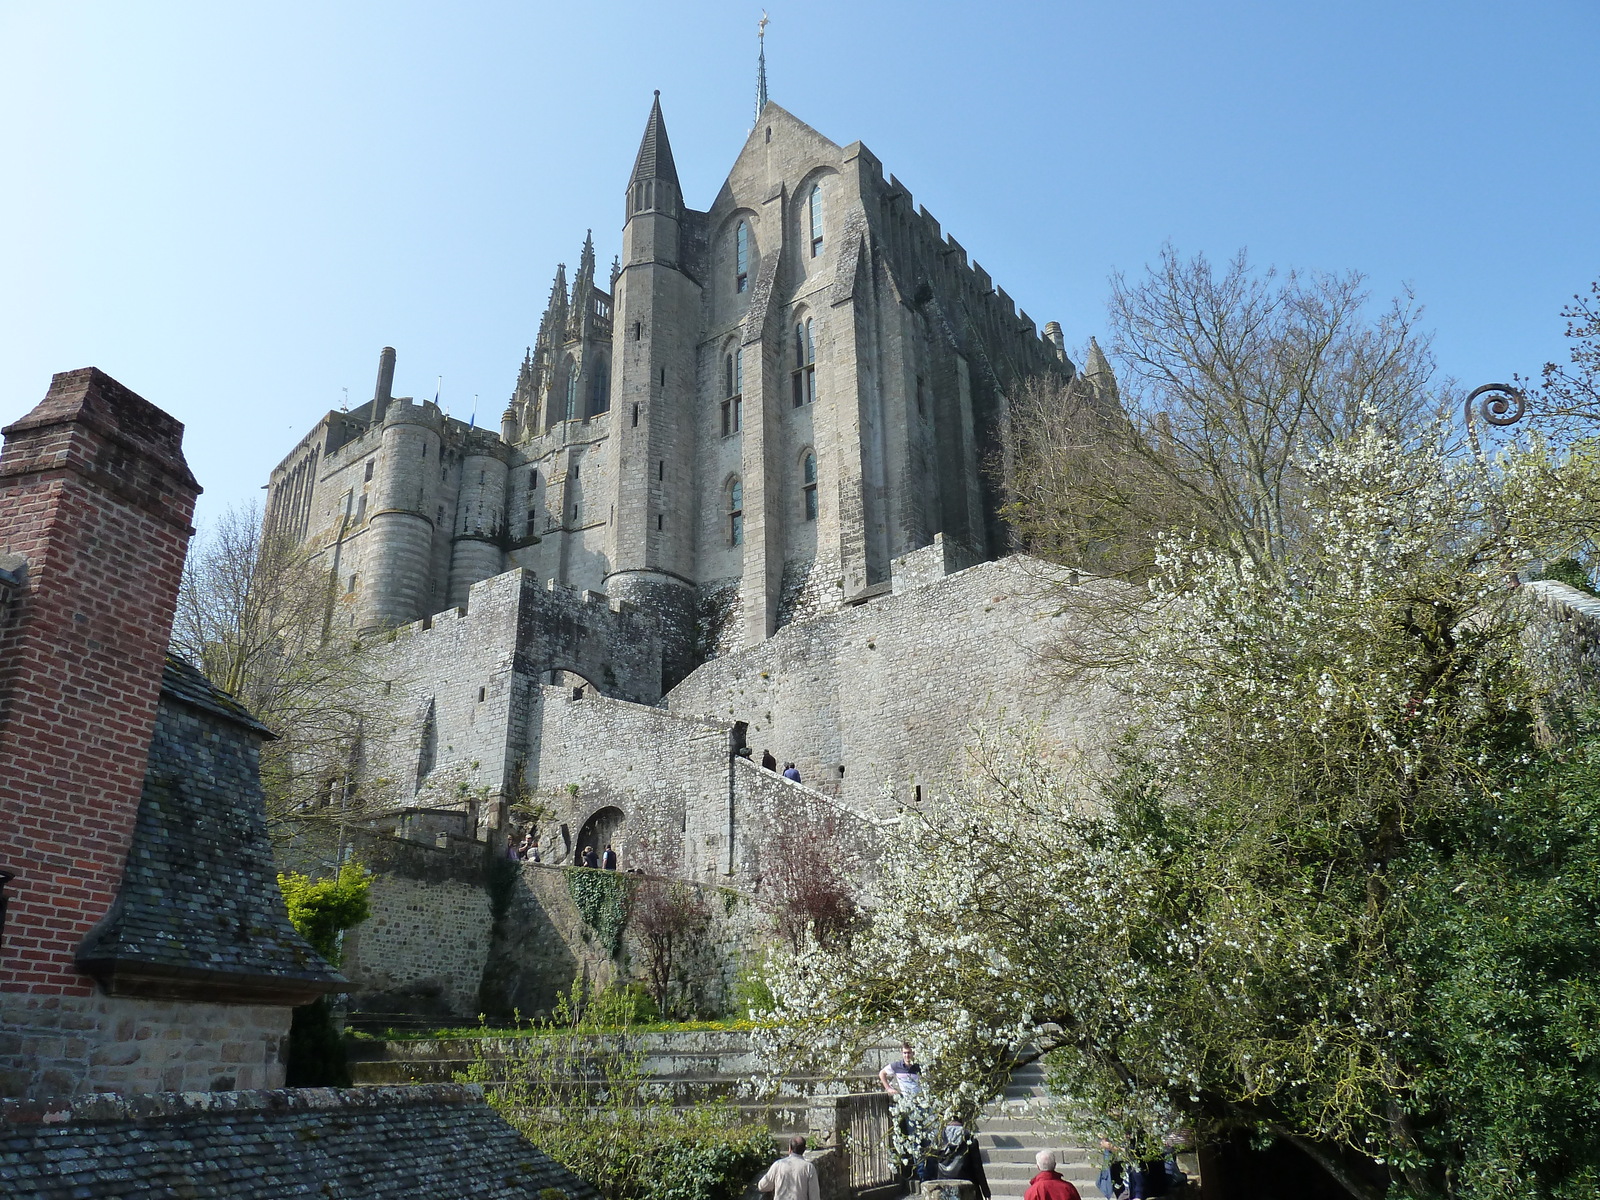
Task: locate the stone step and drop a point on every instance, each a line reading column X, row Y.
column 1026, row 1142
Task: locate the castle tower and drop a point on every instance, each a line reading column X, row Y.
column 656, row 309
column 406, row 495
column 475, row 551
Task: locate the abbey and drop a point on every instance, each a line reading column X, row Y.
column 767, row 403
column 746, row 497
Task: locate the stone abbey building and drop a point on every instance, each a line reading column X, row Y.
column 764, row 405
column 745, row 496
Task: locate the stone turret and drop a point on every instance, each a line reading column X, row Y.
column 405, row 500
column 1098, row 375
column 651, row 450
column 1053, row 335
column 475, row 552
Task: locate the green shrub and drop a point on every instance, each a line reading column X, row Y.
column 751, row 995
column 633, row 1004
column 1569, row 571
column 580, row 1094
column 321, row 909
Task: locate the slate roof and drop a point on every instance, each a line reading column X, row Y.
column 655, row 152
column 199, row 914
column 180, row 681
column 440, row 1141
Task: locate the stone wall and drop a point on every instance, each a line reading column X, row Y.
column 433, row 948
column 878, row 700
column 65, row 1046
column 543, row 944
column 464, row 686
column 423, row 949
column 668, row 775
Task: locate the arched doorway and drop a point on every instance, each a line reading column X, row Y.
column 602, row 829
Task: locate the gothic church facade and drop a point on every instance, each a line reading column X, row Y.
column 770, row 401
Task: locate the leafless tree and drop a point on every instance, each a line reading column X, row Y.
column 807, row 880
column 1228, row 381
column 666, row 914
column 1569, row 395
column 253, row 615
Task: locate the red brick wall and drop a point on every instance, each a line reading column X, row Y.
column 95, row 493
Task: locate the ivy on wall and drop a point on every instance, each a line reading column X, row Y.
column 602, row 899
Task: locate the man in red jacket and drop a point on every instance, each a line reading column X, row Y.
column 1047, row 1184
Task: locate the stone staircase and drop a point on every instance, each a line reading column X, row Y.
column 1015, row 1127
column 715, row 1065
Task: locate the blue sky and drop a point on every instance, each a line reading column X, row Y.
column 232, row 207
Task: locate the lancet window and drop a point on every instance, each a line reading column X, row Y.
column 736, row 513
column 732, row 386
column 805, row 363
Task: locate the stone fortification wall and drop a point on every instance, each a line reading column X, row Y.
column 771, row 812
column 465, row 684
column 424, row 947
column 668, row 776
column 543, row 944
column 689, row 805
column 875, row 701
column 433, row 947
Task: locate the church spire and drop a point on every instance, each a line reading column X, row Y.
column 655, row 152
column 761, row 64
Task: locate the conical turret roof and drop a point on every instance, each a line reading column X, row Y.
column 655, row 152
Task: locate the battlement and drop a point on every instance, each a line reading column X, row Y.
column 548, row 626
column 919, row 233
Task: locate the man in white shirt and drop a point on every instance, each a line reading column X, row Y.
column 791, row 1177
column 903, row 1077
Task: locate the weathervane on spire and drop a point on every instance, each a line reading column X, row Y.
column 761, row 64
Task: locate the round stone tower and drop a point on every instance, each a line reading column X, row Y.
column 406, row 499
column 475, row 552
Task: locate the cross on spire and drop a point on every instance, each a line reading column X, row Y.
column 761, row 64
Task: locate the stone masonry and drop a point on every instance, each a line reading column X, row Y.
column 768, row 402
column 146, row 945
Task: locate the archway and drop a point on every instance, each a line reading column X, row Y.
column 602, row 829
column 574, row 683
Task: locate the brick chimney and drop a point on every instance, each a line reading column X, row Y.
column 95, row 509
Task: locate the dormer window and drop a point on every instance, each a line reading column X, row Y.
column 741, row 258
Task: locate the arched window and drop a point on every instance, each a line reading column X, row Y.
column 805, row 363
column 814, row 215
column 572, row 390
column 736, row 513
column 741, row 258
column 808, row 487
column 733, row 384
column 600, row 389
